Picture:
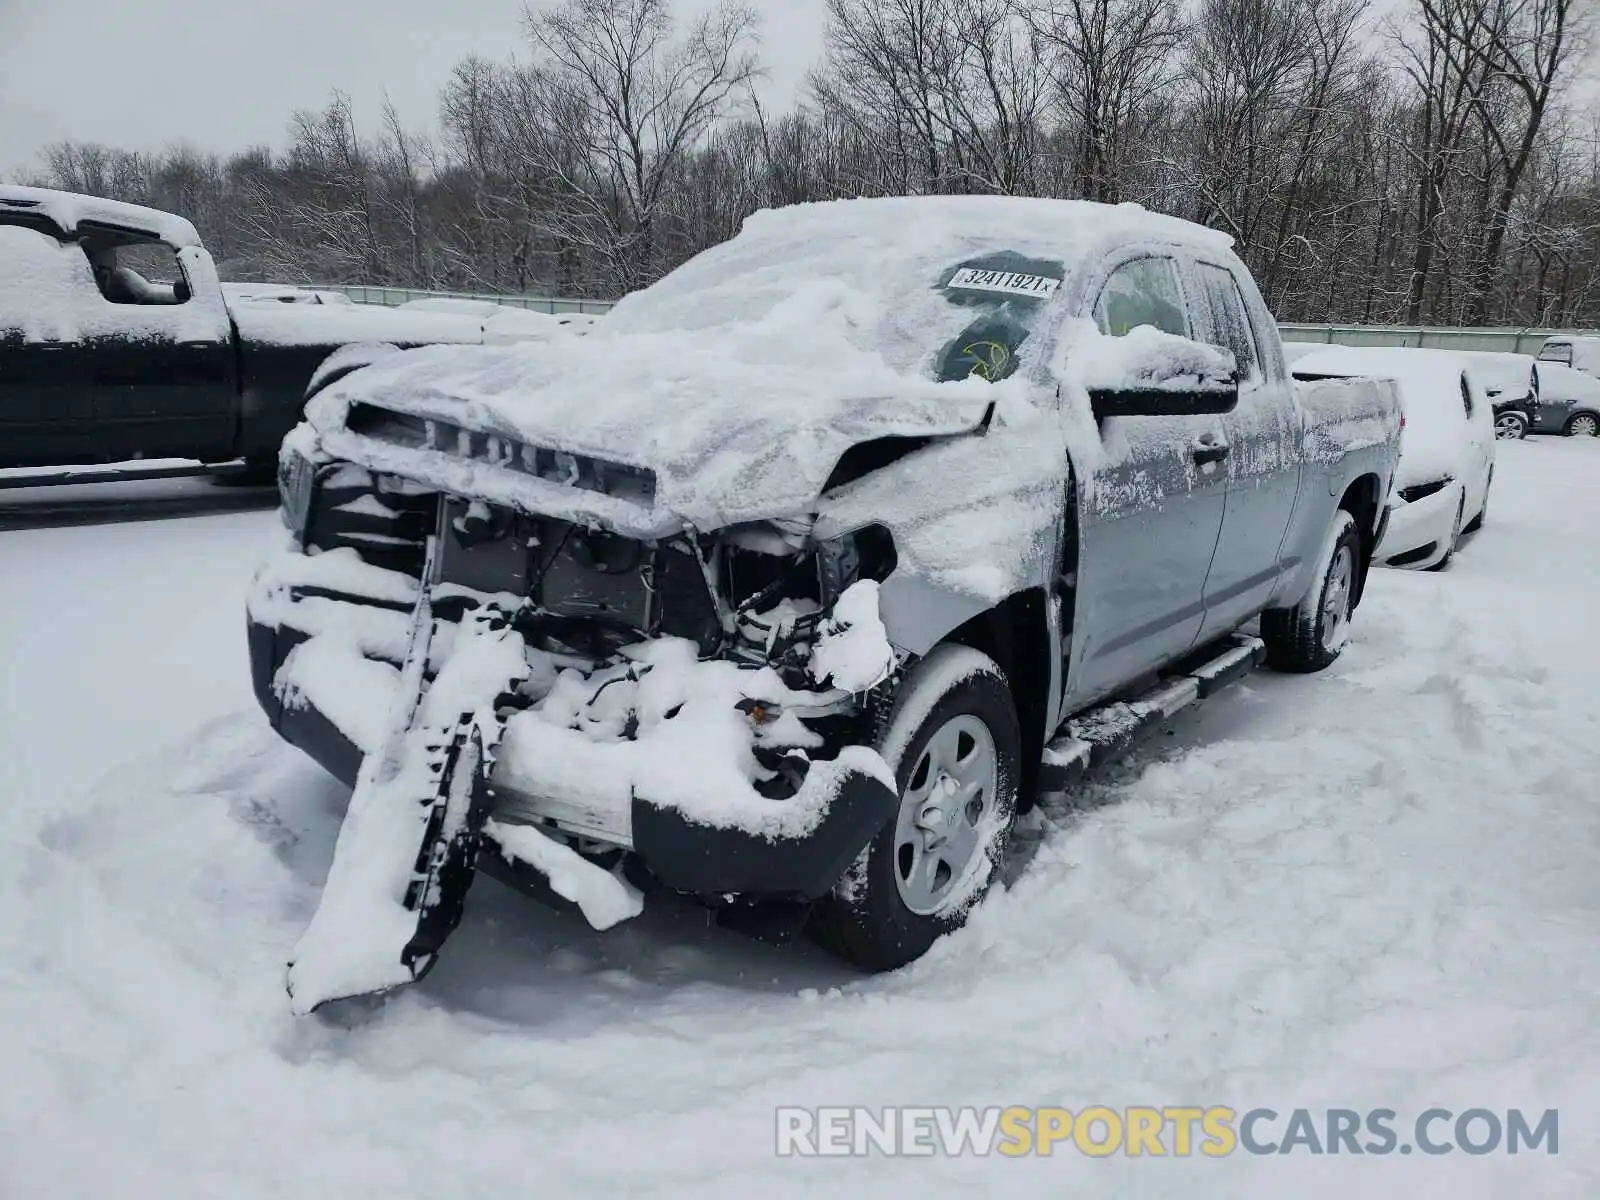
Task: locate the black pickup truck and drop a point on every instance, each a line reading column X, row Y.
column 117, row 341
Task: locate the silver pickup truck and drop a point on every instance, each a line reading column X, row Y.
column 794, row 583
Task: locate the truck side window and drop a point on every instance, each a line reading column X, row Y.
column 1230, row 320
column 1466, row 394
column 1142, row 292
column 1556, row 352
column 133, row 270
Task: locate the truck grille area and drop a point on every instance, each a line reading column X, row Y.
column 384, row 520
column 620, row 480
column 592, row 591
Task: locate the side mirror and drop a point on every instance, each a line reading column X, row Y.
column 1148, row 373
column 1180, row 398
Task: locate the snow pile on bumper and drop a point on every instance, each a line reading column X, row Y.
column 669, row 730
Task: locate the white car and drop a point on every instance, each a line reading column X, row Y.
column 1441, row 489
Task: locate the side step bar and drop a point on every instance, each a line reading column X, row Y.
column 1103, row 734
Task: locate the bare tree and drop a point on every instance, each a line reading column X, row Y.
column 624, row 101
column 1115, row 60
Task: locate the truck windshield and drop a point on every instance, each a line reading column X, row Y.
column 1006, row 293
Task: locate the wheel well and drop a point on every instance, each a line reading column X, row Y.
column 1582, row 412
column 1360, row 500
column 1015, row 633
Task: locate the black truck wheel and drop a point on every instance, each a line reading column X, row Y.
column 1309, row 636
column 955, row 746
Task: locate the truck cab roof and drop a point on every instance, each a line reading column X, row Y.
column 65, row 213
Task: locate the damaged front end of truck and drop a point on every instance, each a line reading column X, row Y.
column 515, row 652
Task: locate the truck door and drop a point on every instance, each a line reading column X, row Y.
column 1151, row 518
column 1263, row 460
column 161, row 353
column 45, row 407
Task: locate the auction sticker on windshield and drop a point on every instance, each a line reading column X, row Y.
column 1003, row 281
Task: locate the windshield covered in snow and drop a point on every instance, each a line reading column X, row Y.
column 1005, row 293
column 937, row 289
column 963, row 315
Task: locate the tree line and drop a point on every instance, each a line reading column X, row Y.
column 1435, row 165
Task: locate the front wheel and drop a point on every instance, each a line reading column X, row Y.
column 1583, row 425
column 1309, row 636
column 1510, row 426
column 955, row 746
column 1483, row 511
column 1455, row 537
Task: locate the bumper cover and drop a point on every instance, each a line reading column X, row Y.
column 1412, row 527
column 710, row 861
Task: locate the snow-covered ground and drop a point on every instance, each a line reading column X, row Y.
column 1378, row 887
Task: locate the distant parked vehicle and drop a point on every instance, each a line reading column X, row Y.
column 276, row 293
column 1569, row 402
column 1446, row 446
column 117, row 340
column 1580, row 352
column 1511, row 382
column 503, row 323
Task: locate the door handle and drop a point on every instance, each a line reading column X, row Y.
column 1205, row 452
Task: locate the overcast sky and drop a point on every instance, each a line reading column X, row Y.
column 224, row 74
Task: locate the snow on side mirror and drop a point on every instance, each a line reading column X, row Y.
column 1151, row 373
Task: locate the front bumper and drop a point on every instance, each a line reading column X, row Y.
column 1418, row 534
column 327, row 712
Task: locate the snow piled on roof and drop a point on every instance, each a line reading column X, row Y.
column 1433, row 443
column 886, row 255
column 68, row 210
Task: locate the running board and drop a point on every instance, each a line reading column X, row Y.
column 1104, row 734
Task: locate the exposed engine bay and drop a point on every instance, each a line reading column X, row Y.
column 755, row 594
column 564, row 695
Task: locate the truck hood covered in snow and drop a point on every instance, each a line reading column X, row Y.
column 736, row 429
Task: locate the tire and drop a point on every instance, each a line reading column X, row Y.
column 876, row 916
column 1583, row 425
column 1455, row 537
column 1477, row 522
column 1510, row 427
column 1312, row 634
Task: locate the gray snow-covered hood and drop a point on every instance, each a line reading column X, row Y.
column 732, row 432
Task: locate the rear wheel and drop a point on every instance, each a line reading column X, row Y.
column 955, row 746
column 1583, row 425
column 1309, row 636
column 1510, row 426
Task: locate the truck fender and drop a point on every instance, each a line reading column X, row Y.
column 347, row 360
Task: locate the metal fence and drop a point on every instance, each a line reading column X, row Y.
column 1517, row 341
column 1521, row 341
column 394, row 296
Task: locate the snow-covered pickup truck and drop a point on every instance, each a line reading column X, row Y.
column 118, row 342
column 788, row 586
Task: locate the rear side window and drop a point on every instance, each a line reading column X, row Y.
column 1142, row 292
column 1230, row 322
column 1556, row 352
